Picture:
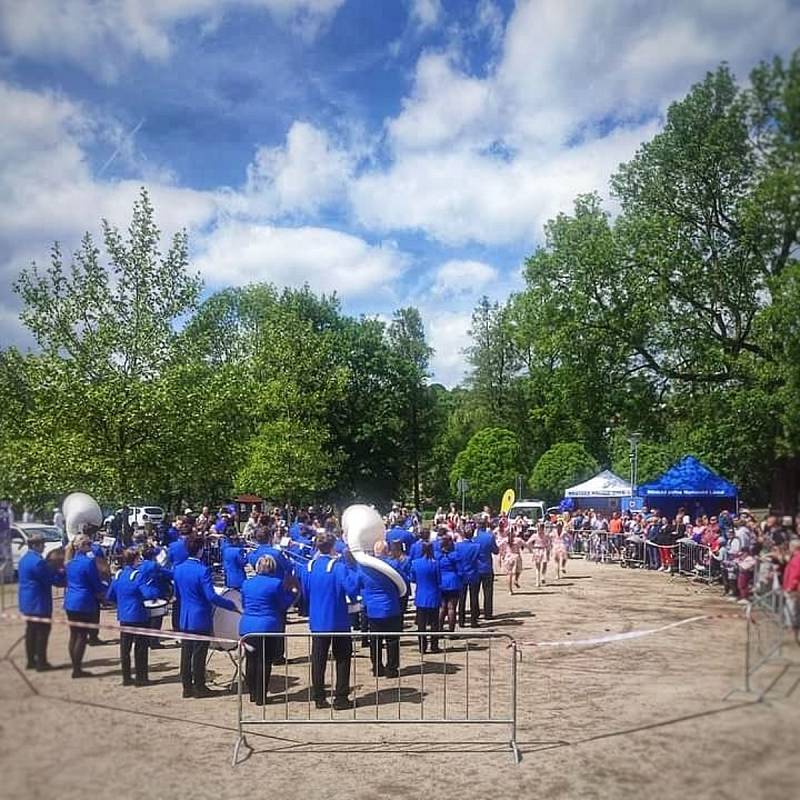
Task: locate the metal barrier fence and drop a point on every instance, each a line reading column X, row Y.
column 695, row 559
column 471, row 680
column 766, row 627
column 604, row 546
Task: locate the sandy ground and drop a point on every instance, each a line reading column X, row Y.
column 643, row 717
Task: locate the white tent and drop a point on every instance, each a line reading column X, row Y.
column 605, row 484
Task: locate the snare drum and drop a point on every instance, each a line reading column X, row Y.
column 226, row 623
column 354, row 606
column 156, row 608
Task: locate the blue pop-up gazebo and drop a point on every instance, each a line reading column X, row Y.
column 692, row 485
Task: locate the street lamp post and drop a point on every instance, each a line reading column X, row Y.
column 634, row 440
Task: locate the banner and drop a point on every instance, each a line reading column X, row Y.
column 508, row 501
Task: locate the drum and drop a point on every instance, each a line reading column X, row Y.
column 156, row 608
column 226, row 623
column 355, row 607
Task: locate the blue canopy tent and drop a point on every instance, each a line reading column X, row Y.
column 691, row 485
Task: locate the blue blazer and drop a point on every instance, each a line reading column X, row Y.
column 155, row 575
column 426, row 575
column 283, row 566
column 327, row 583
column 264, row 605
column 487, row 545
column 177, row 552
column 129, row 590
column 406, row 538
column 450, row 579
column 233, row 561
column 379, row 594
column 469, row 554
column 83, row 585
column 36, row 581
column 196, row 596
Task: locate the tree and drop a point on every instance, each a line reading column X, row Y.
column 490, row 463
column 562, row 466
column 407, row 340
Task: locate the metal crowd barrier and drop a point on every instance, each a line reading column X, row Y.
column 695, row 559
column 472, row 680
column 603, row 546
column 765, row 631
column 634, row 551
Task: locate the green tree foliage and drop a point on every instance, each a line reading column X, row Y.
column 490, row 463
column 562, row 466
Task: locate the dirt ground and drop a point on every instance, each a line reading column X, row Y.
column 637, row 718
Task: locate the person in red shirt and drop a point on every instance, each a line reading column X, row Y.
column 791, row 587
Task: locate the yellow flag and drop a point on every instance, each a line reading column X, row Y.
column 508, row 501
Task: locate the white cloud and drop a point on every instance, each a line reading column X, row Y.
column 458, row 277
column 309, row 172
column 101, row 35
column 426, row 13
column 329, row 260
column 448, row 334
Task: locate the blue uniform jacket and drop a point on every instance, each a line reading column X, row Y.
column 129, row 590
column 487, row 545
column 402, row 566
column 469, row 554
column 36, row 581
column 233, row 560
column 416, row 550
column 177, row 552
column 283, row 566
column 264, row 604
column 397, row 534
column 195, row 592
column 155, row 575
column 83, row 585
column 379, row 594
column 327, row 583
column 450, row 572
column 340, row 545
column 425, row 574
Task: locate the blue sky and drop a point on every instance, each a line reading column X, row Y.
column 396, row 151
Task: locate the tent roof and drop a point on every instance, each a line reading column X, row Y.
column 688, row 478
column 604, row 484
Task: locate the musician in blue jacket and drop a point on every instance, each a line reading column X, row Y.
column 194, row 590
column 129, row 590
column 426, row 576
column 327, row 583
column 36, row 581
column 234, row 559
column 265, row 600
column 416, row 549
column 402, row 563
column 487, row 544
column 154, row 574
column 81, row 598
column 402, row 535
column 450, row 581
column 469, row 555
column 283, row 566
column 382, row 601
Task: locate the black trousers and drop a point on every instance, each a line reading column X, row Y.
column 385, row 625
column 258, row 667
column 193, row 664
column 474, row 591
column 155, row 624
column 78, row 637
column 487, row 584
column 342, row 652
column 140, row 647
column 36, row 636
column 428, row 620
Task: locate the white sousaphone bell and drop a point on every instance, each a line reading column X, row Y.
column 363, row 527
column 80, row 509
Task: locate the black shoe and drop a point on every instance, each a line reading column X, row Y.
column 279, row 662
column 141, row 682
column 96, row 642
column 322, row 703
column 44, row 667
column 81, row 673
column 473, row 624
column 187, row 692
column 127, row 681
column 341, row 704
column 436, row 649
column 30, row 665
column 365, row 642
column 379, row 673
column 391, row 673
column 203, row 691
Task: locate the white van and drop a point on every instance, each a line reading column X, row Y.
column 532, row 509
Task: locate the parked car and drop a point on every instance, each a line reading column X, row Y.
column 141, row 514
column 532, row 509
column 22, row 531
